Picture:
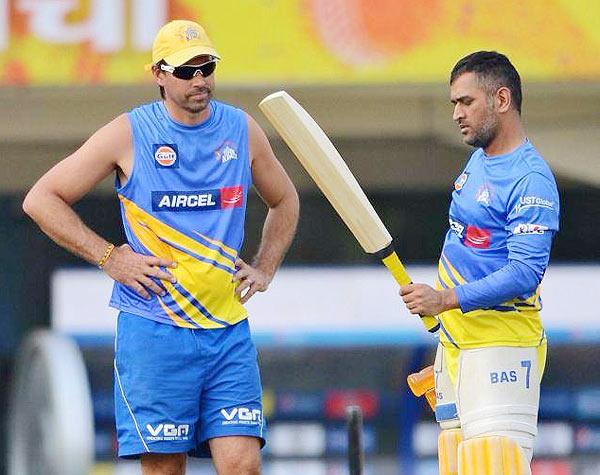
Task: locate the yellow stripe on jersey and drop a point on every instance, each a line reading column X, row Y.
column 203, row 273
column 453, row 271
column 519, row 325
column 172, row 235
column 190, row 309
column 444, row 277
column 180, row 322
column 232, row 252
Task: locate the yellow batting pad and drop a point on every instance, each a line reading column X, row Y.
column 448, row 442
column 493, row 455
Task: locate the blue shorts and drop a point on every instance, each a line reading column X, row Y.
column 176, row 388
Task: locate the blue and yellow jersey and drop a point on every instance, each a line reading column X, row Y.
column 186, row 200
column 503, row 215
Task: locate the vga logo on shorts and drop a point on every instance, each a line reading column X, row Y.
column 166, row 156
column 168, row 432
column 204, row 200
column 529, row 229
column 242, row 416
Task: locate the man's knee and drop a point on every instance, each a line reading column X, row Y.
column 240, row 464
column 163, row 464
column 236, row 455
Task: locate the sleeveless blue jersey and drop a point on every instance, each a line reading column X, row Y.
column 186, row 200
column 504, row 209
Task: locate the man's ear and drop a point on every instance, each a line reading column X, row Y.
column 503, row 99
column 159, row 75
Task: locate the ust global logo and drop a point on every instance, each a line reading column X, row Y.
column 202, row 200
column 533, row 202
column 165, row 156
column 168, row 431
column 241, row 415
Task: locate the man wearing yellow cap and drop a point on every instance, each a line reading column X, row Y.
column 186, row 376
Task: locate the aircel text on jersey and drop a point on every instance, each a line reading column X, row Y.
column 187, row 201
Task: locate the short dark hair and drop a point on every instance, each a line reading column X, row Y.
column 494, row 70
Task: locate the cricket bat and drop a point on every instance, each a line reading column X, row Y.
column 325, row 165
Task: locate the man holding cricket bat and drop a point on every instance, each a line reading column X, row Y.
column 503, row 216
column 186, row 375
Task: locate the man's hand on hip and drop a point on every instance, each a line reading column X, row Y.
column 135, row 270
column 251, row 278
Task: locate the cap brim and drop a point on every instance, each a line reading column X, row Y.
column 183, row 56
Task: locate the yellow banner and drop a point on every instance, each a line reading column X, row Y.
column 47, row 42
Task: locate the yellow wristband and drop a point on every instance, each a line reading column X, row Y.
column 107, row 253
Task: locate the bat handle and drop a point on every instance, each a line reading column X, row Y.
column 395, row 266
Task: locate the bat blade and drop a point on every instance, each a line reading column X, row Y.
column 324, row 164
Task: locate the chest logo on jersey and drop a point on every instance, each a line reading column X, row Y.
column 205, row 200
column 166, row 155
column 226, row 152
column 457, row 227
column 478, row 238
column 483, row 195
column 461, row 180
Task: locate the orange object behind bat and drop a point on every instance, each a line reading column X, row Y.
column 423, row 383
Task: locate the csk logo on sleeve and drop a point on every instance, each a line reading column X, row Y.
column 460, row 181
column 166, row 155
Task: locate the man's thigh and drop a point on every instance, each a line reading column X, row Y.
column 161, row 464
column 157, row 387
column 236, row 455
column 231, row 401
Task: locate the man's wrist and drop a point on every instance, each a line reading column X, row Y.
column 265, row 268
column 449, row 299
column 110, row 247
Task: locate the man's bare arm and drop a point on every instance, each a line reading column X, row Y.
column 279, row 194
column 49, row 203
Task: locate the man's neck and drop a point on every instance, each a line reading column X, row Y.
column 507, row 140
column 184, row 117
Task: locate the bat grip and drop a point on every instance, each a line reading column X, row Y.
column 391, row 260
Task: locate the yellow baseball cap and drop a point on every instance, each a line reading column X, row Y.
column 179, row 41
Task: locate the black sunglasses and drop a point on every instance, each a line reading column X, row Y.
column 187, row 72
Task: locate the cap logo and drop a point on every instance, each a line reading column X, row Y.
column 191, row 33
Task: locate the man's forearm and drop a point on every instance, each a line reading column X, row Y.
column 278, row 232
column 508, row 282
column 58, row 220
